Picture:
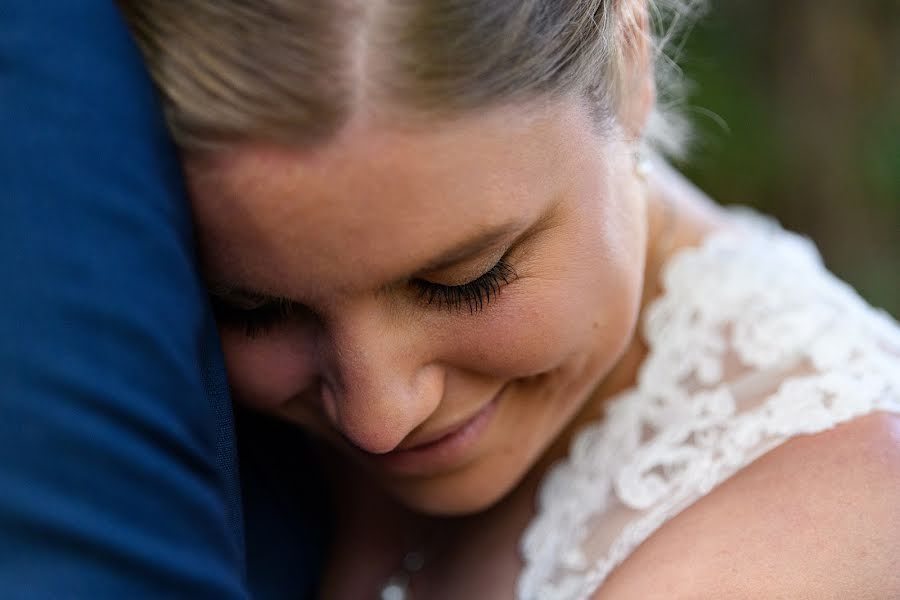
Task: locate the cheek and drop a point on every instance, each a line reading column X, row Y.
column 578, row 295
column 266, row 372
column 586, row 310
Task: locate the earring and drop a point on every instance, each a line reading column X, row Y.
column 643, row 166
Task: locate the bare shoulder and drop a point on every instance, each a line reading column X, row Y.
column 817, row 517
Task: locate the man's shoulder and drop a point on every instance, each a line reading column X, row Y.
column 817, row 517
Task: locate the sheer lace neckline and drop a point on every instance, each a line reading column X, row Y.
column 751, row 342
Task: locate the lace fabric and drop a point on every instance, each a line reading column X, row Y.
column 751, row 343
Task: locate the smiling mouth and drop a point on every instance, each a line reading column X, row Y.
column 440, row 435
column 443, row 449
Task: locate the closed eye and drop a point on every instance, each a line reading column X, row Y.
column 474, row 295
column 255, row 317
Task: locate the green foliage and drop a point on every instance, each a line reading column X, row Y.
column 797, row 112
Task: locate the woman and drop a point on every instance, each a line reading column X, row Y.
column 543, row 364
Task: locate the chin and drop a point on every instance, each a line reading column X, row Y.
column 457, row 494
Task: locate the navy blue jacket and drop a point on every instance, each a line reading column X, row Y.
column 118, row 467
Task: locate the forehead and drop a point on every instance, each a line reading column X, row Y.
column 376, row 203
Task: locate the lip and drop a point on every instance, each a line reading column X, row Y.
column 443, row 450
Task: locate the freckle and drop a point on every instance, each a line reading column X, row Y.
column 596, row 325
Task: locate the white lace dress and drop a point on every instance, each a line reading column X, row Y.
column 752, row 342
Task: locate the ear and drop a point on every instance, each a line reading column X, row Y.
column 637, row 84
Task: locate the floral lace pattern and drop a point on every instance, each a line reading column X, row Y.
column 751, row 343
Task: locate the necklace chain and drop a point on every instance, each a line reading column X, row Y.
column 397, row 585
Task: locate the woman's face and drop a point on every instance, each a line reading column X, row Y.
column 437, row 304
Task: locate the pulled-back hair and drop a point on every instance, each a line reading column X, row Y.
column 297, row 70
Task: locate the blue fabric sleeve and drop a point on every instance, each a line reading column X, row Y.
column 117, row 466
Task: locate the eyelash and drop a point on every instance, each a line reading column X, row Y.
column 474, row 296
column 254, row 321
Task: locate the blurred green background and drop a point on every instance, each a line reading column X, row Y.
column 796, row 107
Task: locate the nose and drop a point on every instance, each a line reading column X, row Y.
column 381, row 382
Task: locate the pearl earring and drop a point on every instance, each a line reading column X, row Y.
column 643, row 166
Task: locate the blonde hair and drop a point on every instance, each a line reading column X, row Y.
column 297, row 70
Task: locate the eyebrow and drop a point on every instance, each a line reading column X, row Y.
column 470, row 247
column 461, row 251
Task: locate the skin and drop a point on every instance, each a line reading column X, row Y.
column 346, row 229
column 367, row 367
column 816, row 518
column 346, row 232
